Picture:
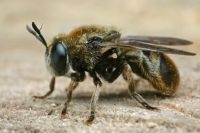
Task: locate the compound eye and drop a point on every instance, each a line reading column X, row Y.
column 59, row 57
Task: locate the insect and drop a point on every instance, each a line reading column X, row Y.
column 105, row 55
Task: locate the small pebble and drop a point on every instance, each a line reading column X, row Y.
column 151, row 125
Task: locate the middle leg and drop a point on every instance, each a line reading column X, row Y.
column 93, row 103
column 95, row 97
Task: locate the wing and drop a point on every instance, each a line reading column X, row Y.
column 157, row 40
column 133, row 44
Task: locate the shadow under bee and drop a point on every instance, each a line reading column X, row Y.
column 112, row 96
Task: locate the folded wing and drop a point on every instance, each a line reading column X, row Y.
column 158, row 40
column 150, row 44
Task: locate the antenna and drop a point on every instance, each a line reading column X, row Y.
column 36, row 32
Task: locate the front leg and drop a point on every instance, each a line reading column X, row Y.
column 75, row 79
column 51, row 86
column 73, row 84
column 78, row 76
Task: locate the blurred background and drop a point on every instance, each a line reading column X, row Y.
column 178, row 18
column 22, row 65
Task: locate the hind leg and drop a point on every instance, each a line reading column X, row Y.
column 127, row 75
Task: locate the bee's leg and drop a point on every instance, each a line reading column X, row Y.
column 51, row 86
column 114, row 73
column 94, row 99
column 96, row 79
column 127, row 75
column 73, row 84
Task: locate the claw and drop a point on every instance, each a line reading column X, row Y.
column 149, row 107
column 64, row 116
column 90, row 120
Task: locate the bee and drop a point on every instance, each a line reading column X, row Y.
column 105, row 55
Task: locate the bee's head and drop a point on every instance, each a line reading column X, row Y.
column 56, row 55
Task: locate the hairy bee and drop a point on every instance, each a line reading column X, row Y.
column 91, row 48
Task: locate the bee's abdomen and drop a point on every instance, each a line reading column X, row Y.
column 158, row 69
column 169, row 74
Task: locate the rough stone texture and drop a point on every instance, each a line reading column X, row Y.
column 23, row 72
